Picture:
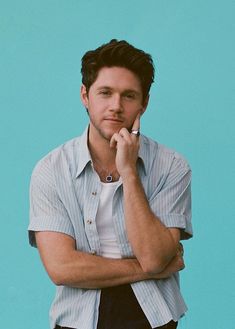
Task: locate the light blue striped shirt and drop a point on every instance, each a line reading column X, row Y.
column 64, row 197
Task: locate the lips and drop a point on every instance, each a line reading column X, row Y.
column 113, row 119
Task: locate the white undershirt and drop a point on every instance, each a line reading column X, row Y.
column 104, row 222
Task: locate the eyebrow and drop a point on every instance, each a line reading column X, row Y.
column 125, row 90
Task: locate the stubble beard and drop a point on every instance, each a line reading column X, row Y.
column 101, row 131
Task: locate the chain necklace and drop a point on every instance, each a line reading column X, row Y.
column 108, row 175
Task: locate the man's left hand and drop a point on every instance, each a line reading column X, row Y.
column 127, row 145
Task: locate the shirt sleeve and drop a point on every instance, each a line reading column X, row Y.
column 47, row 212
column 172, row 204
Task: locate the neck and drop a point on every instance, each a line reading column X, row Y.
column 103, row 158
column 100, row 150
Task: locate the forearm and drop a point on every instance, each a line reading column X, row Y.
column 83, row 270
column 99, row 272
column 94, row 272
column 152, row 243
column 67, row 266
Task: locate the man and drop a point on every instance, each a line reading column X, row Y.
column 108, row 209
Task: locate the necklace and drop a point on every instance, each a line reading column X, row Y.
column 108, row 176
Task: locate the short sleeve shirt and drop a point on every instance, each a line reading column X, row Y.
column 64, row 197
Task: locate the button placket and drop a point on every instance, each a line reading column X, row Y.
column 119, row 224
column 92, row 196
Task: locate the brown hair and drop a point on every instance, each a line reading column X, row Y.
column 122, row 54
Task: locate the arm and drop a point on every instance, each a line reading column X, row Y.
column 154, row 245
column 67, row 266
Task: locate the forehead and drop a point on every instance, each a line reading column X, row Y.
column 117, row 77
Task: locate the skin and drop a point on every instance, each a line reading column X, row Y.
column 115, row 104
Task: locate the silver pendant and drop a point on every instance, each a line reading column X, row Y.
column 109, row 178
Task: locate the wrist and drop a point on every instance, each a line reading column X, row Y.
column 129, row 175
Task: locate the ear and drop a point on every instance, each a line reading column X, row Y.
column 84, row 96
column 145, row 104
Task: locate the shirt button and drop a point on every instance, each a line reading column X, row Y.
column 89, row 221
column 94, row 193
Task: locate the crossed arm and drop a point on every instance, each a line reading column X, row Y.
column 67, row 266
column 156, row 248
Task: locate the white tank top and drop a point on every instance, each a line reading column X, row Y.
column 104, row 222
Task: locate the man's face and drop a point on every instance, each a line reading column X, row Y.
column 113, row 101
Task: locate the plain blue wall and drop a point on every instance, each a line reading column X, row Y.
column 191, row 110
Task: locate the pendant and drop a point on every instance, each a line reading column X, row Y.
column 109, row 178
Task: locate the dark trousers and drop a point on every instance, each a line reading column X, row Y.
column 119, row 309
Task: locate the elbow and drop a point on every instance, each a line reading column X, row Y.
column 153, row 262
column 155, row 265
column 57, row 276
column 57, row 279
column 152, row 267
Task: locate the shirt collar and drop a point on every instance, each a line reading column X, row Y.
column 84, row 156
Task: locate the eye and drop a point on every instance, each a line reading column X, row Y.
column 105, row 92
column 129, row 96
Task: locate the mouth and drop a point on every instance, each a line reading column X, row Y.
column 113, row 120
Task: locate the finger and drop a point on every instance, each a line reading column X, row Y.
column 182, row 265
column 125, row 134
column 136, row 124
column 181, row 248
column 114, row 140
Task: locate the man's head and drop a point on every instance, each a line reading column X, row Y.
column 118, row 54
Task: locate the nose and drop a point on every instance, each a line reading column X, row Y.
column 116, row 103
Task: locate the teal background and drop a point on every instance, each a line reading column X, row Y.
column 191, row 110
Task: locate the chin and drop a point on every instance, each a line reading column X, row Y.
column 108, row 136
column 108, row 133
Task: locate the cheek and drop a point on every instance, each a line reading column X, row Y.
column 129, row 122
column 95, row 110
column 97, row 105
column 133, row 112
column 131, row 116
